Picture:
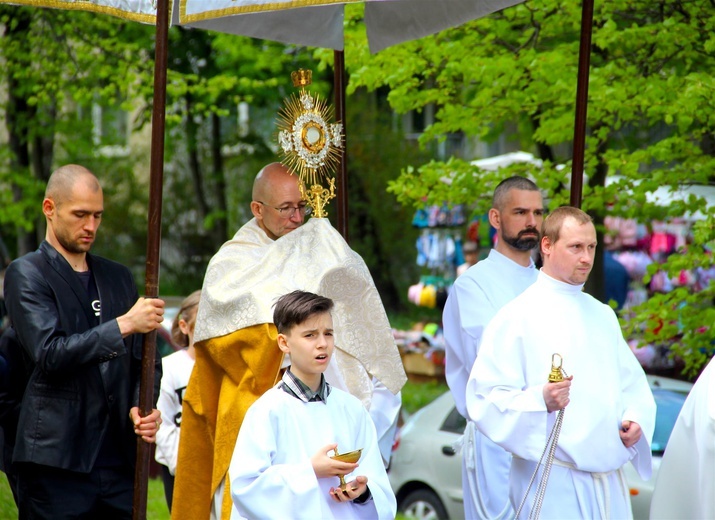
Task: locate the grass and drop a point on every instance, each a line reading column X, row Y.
column 414, row 396
column 406, row 320
column 156, row 508
column 156, row 505
column 7, row 504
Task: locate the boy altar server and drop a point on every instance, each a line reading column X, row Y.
column 281, row 467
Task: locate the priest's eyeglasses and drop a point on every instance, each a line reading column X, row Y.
column 288, row 211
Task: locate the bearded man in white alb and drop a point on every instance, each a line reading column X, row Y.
column 609, row 409
column 517, row 212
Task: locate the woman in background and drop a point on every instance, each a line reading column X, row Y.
column 177, row 369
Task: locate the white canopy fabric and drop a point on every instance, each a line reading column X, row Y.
column 319, row 23
column 501, row 161
column 314, row 23
column 136, row 10
column 665, row 196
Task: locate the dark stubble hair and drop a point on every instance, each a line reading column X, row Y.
column 521, row 242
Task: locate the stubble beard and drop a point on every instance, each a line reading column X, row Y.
column 72, row 246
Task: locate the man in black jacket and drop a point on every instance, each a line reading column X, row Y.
column 13, row 378
column 78, row 318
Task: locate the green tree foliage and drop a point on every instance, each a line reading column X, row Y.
column 379, row 229
column 50, row 70
column 60, row 67
column 650, row 120
column 93, row 62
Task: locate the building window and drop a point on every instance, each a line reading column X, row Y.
column 110, row 127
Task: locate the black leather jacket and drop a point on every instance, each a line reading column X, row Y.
column 81, row 374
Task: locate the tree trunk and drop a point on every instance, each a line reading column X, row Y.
column 193, row 159
column 364, row 224
column 19, row 117
column 545, row 151
column 596, row 283
column 220, row 223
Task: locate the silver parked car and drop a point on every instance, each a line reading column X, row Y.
column 426, row 471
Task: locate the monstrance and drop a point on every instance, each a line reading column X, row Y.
column 310, row 144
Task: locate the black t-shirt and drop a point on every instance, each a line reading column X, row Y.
column 109, row 451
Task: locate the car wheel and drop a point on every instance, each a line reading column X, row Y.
column 423, row 504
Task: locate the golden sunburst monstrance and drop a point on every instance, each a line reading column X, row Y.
column 311, row 146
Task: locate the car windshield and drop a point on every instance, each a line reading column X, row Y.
column 669, row 403
column 454, row 423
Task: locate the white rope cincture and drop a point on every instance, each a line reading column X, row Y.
column 549, row 452
column 541, row 490
column 550, row 447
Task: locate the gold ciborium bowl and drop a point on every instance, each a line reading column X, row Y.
column 352, row 457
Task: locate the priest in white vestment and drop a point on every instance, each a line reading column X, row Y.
column 609, row 414
column 516, row 213
column 236, row 359
column 685, row 487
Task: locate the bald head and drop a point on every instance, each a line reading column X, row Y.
column 272, row 175
column 73, row 208
column 275, row 190
column 63, row 180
